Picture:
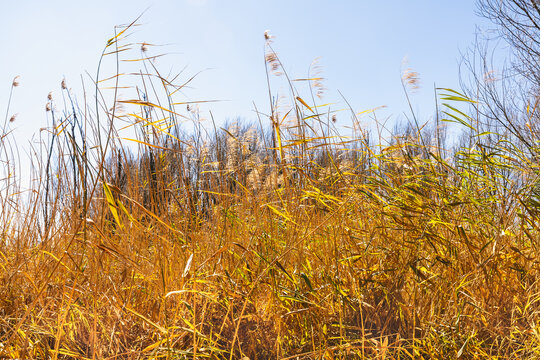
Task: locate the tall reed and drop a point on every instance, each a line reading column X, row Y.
column 151, row 232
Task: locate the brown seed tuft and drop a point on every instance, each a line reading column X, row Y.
column 411, row 78
column 15, row 82
column 272, row 60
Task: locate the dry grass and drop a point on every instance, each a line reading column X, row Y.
column 279, row 241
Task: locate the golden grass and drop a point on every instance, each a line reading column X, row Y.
column 288, row 241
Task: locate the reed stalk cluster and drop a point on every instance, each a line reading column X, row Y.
column 150, row 232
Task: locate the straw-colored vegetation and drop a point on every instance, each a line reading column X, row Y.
column 281, row 239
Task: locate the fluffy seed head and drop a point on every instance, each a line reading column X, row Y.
column 49, row 96
column 272, row 60
column 270, row 57
column 48, row 107
column 13, row 117
column 490, row 77
column 315, row 70
column 15, row 82
column 250, row 136
column 63, row 84
column 411, row 78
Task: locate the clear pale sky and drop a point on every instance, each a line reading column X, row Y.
column 361, row 45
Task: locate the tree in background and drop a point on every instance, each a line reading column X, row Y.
column 518, row 23
column 507, row 91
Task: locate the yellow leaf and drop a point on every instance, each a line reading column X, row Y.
column 112, row 204
column 304, row 103
column 147, row 144
column 283, row 215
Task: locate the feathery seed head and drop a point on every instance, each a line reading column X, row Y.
column 233, row 146
column 49, row 96
column 319, row 86
column 270, row 57
column 273, row 61
column 13, row 117
column 250, row 135
column 254, row 177
column 316, row 81
column 117, row 107
column 63, row 84
column 346, row 166
column 193, row 109
column 410, row 77
column 15, row 82
column 490, row 77
column 48, row 107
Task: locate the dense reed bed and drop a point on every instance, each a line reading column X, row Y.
column 148, row 232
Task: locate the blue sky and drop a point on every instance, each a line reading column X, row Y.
column 361, row 45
